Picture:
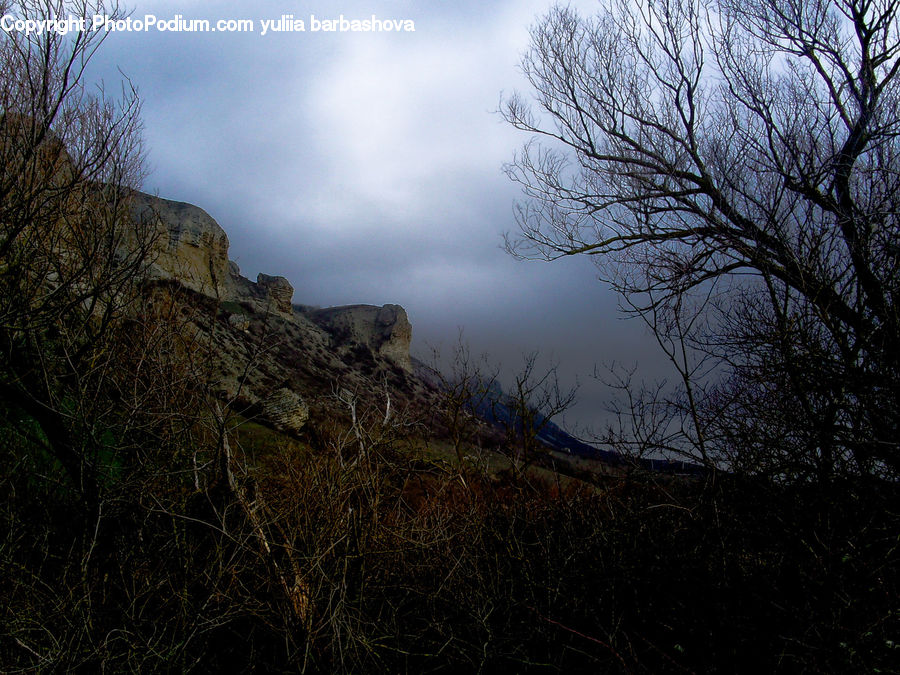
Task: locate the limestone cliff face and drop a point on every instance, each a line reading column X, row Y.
column 393, row 329
column 385, row 330
column 191, row 247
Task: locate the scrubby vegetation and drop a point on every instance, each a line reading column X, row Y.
column 373, row 556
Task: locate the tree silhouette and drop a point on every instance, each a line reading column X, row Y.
column 735, row 162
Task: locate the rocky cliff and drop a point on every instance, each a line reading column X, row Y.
column 385, row 330
column 190, row 248
column 306, row 349
column 278, row 291
column 193, row 249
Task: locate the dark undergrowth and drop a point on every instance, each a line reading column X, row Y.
column 373, row 561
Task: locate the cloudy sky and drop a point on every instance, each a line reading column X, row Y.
column 367, row 168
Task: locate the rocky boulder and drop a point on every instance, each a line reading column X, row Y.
column 285, row 410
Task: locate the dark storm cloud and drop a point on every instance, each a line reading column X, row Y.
column 367, row 168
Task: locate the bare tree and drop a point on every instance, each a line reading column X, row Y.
column 536, row 398
column 465, row 393
column 745, row 152
column 71, row 253
column 78, row 373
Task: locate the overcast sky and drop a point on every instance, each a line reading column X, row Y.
column 367, row 168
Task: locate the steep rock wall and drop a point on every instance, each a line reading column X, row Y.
column 191, row 247
column 385, row 330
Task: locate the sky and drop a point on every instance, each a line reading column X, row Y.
column 367, row 168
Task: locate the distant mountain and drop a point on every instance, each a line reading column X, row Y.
column 498, row 411
column 558, row 439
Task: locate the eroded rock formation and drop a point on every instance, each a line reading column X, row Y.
column 306, row 348
column 191, row 247
column 385, row 330
column 285, row 410
column 278, row 290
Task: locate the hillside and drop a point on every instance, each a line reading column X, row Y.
column 229, row 481
column 271, row 352
column 264, row 341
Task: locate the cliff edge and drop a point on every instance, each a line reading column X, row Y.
column 192, row 249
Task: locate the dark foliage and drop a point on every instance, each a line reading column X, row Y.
column 404, row 569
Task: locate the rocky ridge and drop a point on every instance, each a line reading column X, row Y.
column 191, row 247
column 386, row 330
column 294, row 351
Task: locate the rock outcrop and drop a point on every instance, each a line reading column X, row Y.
column 278, row 290
column 191, row 247
column 305, row 346
column 394, row 331
column 385, row 330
